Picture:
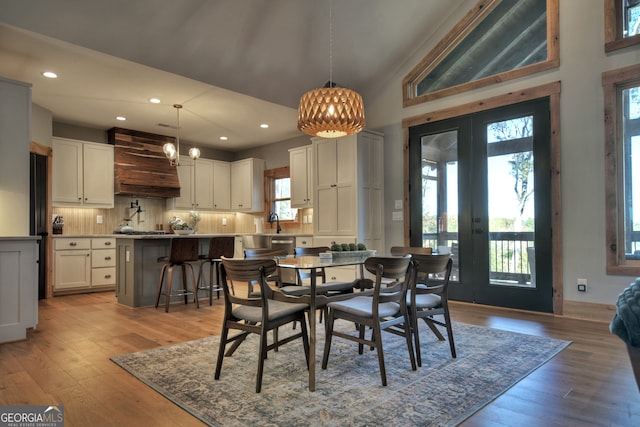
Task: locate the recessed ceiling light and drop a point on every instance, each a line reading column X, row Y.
column 264, row 126
column 154, row 100
column 50, row 75
column 223, row 138
column 121, row 118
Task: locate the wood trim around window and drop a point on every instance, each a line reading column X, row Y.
column 464, row 27
column 551, row 90
column 613, row 27
column 269, row 176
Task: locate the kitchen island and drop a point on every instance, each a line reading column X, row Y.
column 137, row 268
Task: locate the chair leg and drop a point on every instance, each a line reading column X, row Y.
column 407, row 334
column 261, row 356
column 452, row 345
column 223, row 342
column 327, row 340
column 167, row 290
column 183, row 271
column 164, row 269
column 416, row 337
column 305, row 338
column 378, row 341
column 361, row 329
column 195, row 286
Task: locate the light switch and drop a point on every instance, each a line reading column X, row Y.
column 396, row 216
column 398, row 204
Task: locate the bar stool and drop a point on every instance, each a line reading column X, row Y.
column 219, row 246
column 181, row 253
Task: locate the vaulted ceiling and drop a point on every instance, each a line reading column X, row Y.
column 233, row 64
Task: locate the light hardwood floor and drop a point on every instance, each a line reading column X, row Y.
column 66, row 361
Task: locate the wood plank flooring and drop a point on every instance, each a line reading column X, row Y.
column 66, row 361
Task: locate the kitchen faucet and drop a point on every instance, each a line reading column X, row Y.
column 273, row 217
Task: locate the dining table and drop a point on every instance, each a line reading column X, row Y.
column 312, row 264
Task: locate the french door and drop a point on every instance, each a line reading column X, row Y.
column 480, row 188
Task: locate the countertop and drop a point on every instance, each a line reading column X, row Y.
column 165, row 236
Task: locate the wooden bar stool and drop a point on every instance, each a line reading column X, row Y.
column 219, row 246
column 181, row 253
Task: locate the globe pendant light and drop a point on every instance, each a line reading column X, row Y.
column 173, row 151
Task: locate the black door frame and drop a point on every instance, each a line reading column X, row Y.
column 471, row 136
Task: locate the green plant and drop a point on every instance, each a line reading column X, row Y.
column 345, row 246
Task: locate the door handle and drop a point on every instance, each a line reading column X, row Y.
column 478, row 231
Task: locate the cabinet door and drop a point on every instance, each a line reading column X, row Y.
column 241, row 182
column 98, row 174
column 185, row 176
column 203, row 184
column 299, row 177
column 72, row 269
column 221, row 185
column 67, row 171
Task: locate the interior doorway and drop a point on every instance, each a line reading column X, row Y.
column 481, row 189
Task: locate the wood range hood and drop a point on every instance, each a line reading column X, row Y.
column 141, row 168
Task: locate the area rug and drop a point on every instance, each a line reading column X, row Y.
column 443, row 392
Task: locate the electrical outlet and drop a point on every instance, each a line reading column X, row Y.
column 224, row 221
column 582, row 285
column 99, row 219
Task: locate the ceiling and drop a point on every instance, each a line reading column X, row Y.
column 232, row 64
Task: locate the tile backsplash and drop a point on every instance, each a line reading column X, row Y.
column 154, row 213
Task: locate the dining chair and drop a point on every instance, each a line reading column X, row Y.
column 428, row 297
column 269, row 253
column 219, row 246
column 182, row 252
column 384, row 310
column 256, row 314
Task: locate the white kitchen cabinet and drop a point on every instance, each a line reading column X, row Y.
column 196, row 185
column 221, row 185
column 247, row 184
column 301, row 173
column 82, row 174
column 84, row 264
column 348, row 188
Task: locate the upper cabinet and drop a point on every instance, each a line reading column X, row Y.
column 196, row 185
column 247, row 181
column 82, row 174
column 222, row 185
column 348, row 187
column 301, row 173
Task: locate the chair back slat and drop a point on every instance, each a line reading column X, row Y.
column 395, row 268
column 264, row 253
column 428, row 265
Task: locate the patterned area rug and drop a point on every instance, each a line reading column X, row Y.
column 443, row 392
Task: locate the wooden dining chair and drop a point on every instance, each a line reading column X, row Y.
column 385, row 310
column 266, row 253
column 256, row 314
column 428, row 297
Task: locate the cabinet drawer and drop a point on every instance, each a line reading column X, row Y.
column 103, row 258
column 304, row 242
column 103, row 243
column 71, row 243
column 103, row 276
column 341, row 274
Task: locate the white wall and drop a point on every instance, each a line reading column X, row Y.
column 582, row 60
column 15, row 137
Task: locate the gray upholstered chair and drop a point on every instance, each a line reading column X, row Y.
column 428, row 297
column 256, row 314
column 384, row 310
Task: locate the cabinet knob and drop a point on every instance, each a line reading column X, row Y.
column 88, row 255
column 107, row 276
column 73, row 244
column 107, row 243
column 107, row 258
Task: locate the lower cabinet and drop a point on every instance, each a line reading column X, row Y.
column 84, row 264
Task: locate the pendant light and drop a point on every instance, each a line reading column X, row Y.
column 331, row 111
column 173, row 151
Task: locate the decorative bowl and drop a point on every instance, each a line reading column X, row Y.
column 184, row 232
